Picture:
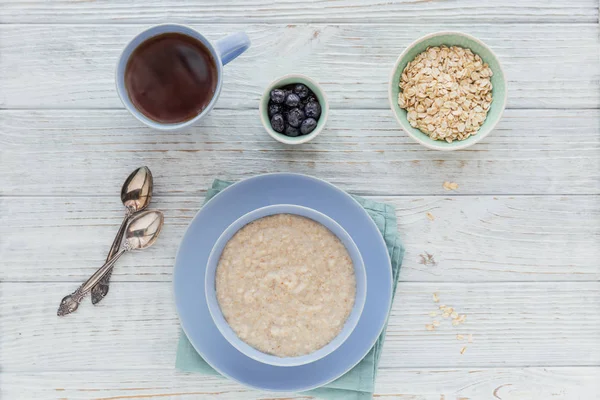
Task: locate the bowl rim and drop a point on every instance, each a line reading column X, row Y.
column 476, row 138
column 281, row 137
column 243, row 347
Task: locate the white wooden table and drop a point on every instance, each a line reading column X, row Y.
column 517, row 246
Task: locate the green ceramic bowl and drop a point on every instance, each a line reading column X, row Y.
column 283, row 81
column 450, row 39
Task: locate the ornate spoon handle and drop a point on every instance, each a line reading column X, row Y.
column 100, row 290
column 70, row 302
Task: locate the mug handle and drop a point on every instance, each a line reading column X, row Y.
column 232, row 46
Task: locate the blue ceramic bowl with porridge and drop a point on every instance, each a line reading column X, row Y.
column 285, row 285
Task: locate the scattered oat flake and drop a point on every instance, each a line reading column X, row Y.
column 436, row 299
column 459, row 337
column 462, row 351
column 429, row 327
column 442, row 306
column 450, row 185
column 427, row 259
column 454, row 315
column 436, row 323
column 445, row 315
column 433, row 314
column 470, row 338
column 430, row 216
column 455, row 322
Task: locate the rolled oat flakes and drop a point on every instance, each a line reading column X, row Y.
column 446, row 92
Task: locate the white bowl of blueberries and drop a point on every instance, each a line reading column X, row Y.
column 293, row 109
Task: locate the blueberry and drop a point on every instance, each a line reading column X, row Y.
column 312, row 109
column 308, row 125
column 294, row 117
column 278, row 96
column 301, row 90
column 292, row 100
column 277, row 123
column 291, row 131
column 274, row 108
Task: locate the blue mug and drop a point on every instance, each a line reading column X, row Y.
column 223, row 51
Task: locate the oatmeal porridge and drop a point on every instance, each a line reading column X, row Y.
column 285, row 284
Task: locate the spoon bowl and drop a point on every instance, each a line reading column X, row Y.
column 143, row 230
column 136, row 192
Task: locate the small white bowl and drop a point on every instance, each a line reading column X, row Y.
column 287, row 80
column 215, row 309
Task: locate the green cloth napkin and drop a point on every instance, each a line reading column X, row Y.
column 359, row 382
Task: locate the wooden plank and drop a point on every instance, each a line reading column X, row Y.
column 352, row 61
column 59, row 152
column 363, row 11
column 558, row 383
column 537, row 238
column 136, row 327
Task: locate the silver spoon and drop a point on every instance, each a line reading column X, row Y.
column 136, row 194
column 141, row 233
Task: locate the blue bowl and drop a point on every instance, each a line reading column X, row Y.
column 217, row 315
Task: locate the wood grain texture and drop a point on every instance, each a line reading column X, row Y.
column 72, row 66
column 136, row 327
column 516, row 247
column 362, row 11
column 59, row 152
column 532, row 238
column 556, row 383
